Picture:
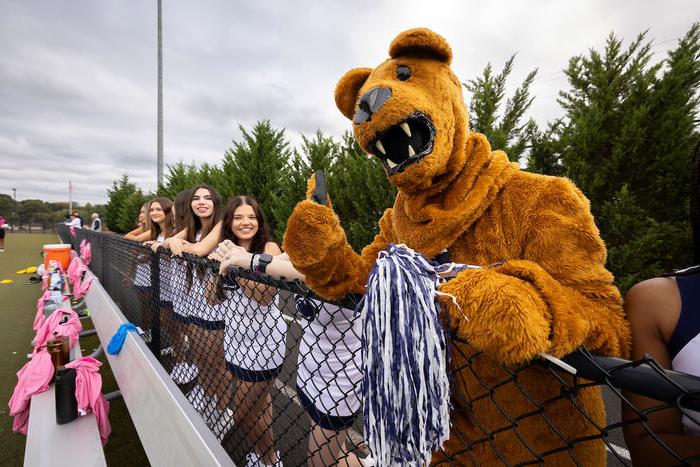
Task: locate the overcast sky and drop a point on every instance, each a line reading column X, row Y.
column 78, row 78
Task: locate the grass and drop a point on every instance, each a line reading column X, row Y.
column 17, row 309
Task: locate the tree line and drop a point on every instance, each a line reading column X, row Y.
column 625, row 135
column 44, row 214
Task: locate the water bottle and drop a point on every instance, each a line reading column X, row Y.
column 66, row 403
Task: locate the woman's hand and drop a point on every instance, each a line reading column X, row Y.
column 233, row 255
column 177, row 246
column 155, row 246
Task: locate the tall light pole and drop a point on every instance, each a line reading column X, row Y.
column 14, row 209
column 160, row 96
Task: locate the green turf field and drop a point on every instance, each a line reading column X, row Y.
column 17, row 309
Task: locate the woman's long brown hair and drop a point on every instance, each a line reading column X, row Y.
column 167, row 207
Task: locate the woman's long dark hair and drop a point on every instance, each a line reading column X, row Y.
column 194, row 223
column 694, row 213
column 182, row 209
column 262, row 236
column 695, row 202
column 167, row 207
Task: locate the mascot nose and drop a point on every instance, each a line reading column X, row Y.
column 370, row 102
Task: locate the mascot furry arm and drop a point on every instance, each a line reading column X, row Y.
column 550, row 292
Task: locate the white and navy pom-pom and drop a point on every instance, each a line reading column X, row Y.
column 405, row 383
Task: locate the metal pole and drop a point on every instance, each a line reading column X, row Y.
column 14, row 209
column 70, row 197
column 160, row 97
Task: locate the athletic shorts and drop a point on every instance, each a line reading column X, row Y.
column 206, row 324
column 253, row 376
column 325, row 421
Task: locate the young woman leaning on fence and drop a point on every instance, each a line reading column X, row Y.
column 140, row 224
column 160, row 226
column 328, row 373
column 205, row 329
column 255, row 341
column 665, row 317
column 176, row 322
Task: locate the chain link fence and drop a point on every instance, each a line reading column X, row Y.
column 266, row 363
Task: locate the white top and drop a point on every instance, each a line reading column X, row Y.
column 255, row 333
column 329, row 366
column 688, row 361
column 74, row 223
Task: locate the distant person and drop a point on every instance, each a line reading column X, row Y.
column 3, row 226
column 80, row 219
column 665, row 317
column 96, row 222
column 73, row 221
column 140, row 224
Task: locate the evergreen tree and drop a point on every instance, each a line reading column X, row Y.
column 258, row 167
column 317, row 153
column 119, row 212
column 180, row 177
column 360, row 192
column 211, row 175
column 543, row 156
column 129, row 212
column 488, row 91
column 626, row 142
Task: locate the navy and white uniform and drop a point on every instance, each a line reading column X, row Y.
column 329, row 365
column 256, row 334
column 684, row 346
column 142, row 277
column 178, row 287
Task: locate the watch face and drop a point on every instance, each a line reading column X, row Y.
column 265, row 258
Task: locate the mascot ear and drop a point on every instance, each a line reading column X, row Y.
column 348, row 88
column 421, row 41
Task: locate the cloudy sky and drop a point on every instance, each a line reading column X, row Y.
column 78, row 78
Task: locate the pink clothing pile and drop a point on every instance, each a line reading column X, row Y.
column 32, row 378
column 85, row 252
column 88, row 392
column 70, row 328
column 75, row 273
column 35, row 375
column 40, row 318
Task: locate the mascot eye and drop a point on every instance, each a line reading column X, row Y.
column 403, row 72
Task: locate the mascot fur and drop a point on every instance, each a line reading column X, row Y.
column 543, row 286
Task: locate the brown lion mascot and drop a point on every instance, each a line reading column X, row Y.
column 543, row 286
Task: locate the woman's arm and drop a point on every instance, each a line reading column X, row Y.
column 653, row 308
column 177, row 242
column 234, row 255
column 205, row 245
column 134, row 234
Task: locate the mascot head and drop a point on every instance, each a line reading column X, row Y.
column 409, row 112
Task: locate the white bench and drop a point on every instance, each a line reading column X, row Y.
column 171, row 431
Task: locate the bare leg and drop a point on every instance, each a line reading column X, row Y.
column 217, row 381
column 253, row 413
column 327, row 447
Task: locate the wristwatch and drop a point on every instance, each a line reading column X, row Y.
column 260, row 262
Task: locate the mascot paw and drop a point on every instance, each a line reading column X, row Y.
column 313, row 229
column 498, row 315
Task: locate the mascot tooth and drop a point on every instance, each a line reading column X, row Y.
column 542, row 288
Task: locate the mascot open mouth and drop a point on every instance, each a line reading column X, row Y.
column 404, row 144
